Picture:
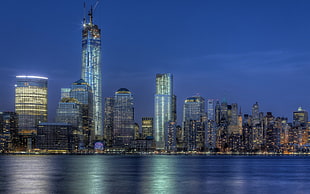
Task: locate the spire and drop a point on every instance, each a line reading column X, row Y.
column 84, row 15
column 90, row 14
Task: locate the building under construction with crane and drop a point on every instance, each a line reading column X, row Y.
column 91, row 66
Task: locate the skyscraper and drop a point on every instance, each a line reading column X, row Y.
column 65, row 93
column 300, row 117
column 255, row 114
column 147, row 127
column 194, row 117
column 211, row 109
column 163, row 107
column 194, row 108
column 170, row 133
column 91, row 69
column 30, row 102
column 30, row 106
column 82, row 92
column 123, row 118
column 8, row 131
column 108, row 120
column 69, row 111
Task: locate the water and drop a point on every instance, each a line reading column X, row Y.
column 153, row 174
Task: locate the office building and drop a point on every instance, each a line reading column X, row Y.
column 137, row 131
column 69, row 111
column 255, row 114
column 55, row 138
column 108, row 120
column 300, row 117
column 30, row 102
column 210, row 109
column 211, row 134
column 8, row 131
column 91, row 68
column 123, row 118
column 147, row 127
column 30, row 106
column 194, row 116
column 170, row 136
column 82, row 92
column 163, row 107
column 65, row 93
column 194, row 108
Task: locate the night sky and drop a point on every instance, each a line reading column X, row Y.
column 241, row 51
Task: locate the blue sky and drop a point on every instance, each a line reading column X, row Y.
column 243, row 51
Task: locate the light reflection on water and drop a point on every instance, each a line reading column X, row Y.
column 153, row 174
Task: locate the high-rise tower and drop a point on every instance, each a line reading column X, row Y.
column 300, row 117
column 164, row 107
column 255, row 114
column 194, row 117
column 30, row 102
column 123, row 118
column 81, row 91
column 91, row 69
column 194, row 108
column 30, row 107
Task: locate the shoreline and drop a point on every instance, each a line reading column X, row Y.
column 152, row 154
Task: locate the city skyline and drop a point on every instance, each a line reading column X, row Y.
column 249, row 51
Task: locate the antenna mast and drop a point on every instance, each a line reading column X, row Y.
column 84, row 15
column 90, row 13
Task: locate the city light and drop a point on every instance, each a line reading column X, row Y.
column 30, row 76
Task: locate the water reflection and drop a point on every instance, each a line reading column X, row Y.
column 27, row 174
column 160, row 175
column 83, row 174
column 153, row 174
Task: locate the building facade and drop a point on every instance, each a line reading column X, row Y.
column 164, row 107
column 8, row 131
column 91, row 68
column 123, row 118
column 82, row 92
column 194, row 116
column 55, row 137
column 30, row 102
column 108, row 120
column 170, row 136
column 69, row 111
column 147, row 127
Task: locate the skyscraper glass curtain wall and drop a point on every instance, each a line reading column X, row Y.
column 30, row 102
column 163, row 107
column 91, row 67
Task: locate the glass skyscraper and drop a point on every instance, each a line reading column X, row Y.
column 300, row 117
column 82, row 92
column 210, row 109
column 194, row 116
column 123, row 118
column 91, row 69
column 164, row 107
column 108, row 120
column 30, row 102
column 194, row 108
column 69, row 111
